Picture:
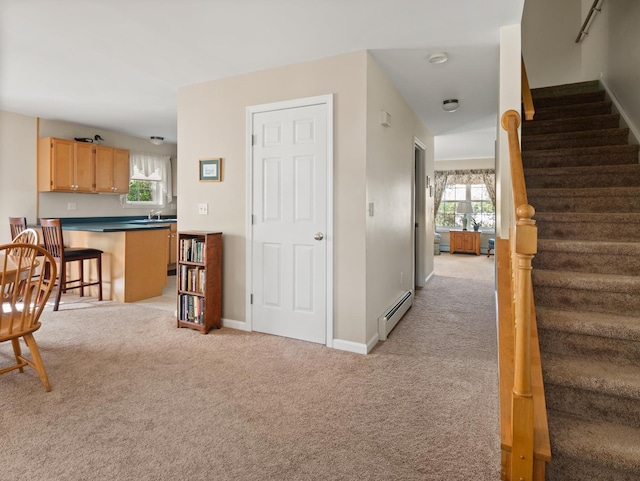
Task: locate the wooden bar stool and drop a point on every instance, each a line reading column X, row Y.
column 54, row 243
column 17, row 225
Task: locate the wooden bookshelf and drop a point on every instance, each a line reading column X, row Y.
column 199, row 280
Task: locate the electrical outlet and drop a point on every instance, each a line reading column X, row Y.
column 203, row 209
column 71, row 206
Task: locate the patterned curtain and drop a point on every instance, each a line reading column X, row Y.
column 476, row 176
column 439, row 183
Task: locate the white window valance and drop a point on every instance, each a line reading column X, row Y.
column 152, row 167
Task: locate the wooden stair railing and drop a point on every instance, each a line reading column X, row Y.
column 527, row 99
column 523, row 416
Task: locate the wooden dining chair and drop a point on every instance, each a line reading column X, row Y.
column 26, row 236
column 54, row 243
column 25, row 290
column 17, row 225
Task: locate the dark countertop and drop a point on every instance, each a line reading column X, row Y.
column 114, row 224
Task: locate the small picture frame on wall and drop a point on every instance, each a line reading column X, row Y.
column 211, row 170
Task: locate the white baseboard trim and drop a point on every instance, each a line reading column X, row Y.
column 233, row 324
column 372, row 342
column 633, row 129
column 430, row 276
column 350, row 346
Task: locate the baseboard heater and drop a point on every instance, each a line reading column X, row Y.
column 390, row 318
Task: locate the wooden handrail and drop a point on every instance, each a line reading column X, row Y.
column 520, row 463
column 583, row 30
column 527, row 99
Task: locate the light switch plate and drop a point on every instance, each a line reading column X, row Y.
column 203, row 209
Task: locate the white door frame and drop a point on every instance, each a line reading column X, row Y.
column 418, row 209
column 327, row 101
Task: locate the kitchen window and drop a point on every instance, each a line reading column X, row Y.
column 150, row 180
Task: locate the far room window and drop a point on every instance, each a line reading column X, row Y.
column 150, row 180
column 484, row 212
column 476, row 187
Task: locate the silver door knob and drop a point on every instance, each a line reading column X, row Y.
column 319, row 236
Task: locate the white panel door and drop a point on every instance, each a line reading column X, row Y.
column 289, row 254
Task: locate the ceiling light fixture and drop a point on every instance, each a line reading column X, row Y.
column 156, row 140
column 439, row 57
column 450, row 105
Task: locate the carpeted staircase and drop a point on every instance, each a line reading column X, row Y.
column 583, row 178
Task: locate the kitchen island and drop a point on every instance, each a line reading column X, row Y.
column 134, row 263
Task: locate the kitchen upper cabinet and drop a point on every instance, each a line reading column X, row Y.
column 112, row 170
column 69, row 166
column 64, row 166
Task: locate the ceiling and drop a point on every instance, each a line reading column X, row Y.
column 117, row 64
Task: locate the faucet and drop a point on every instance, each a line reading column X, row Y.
column 152, row 214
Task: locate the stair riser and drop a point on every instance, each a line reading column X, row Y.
column 589, row 231
column 592, row 404
column 617, row 137
column 597, row 204
column 622, row 303
column 575, row 125
column 571, row 99
column 563, row 468
column 583, row 180
column 573, row 89
column 588, row 262
column 600, row 108
column 561, row 158
column 592, row 347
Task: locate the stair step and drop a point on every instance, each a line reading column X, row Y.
column 566, row 89
column 588, row 226
column 570, row 99
column 597, row 257
column 611, row 379
column 627, row 175
column 589, row 292
column 603, row 155
column 600, row 336
column 592, row 450
column 577, row 124
column 571, row 111
column 563, row 140
column 587, row 200
column 597, row 390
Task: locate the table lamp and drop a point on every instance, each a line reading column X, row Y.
column 464, row 207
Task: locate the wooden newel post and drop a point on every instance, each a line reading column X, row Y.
column 522, row 399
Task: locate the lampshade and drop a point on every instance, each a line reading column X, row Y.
column 464, row 207
column 450, row 105
column 156, row 140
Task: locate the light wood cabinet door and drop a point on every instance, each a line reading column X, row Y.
column 59, row 157
column 112, row 170
column 84, row 167
column 104, row 169
column 120, row 171
column 173, row 244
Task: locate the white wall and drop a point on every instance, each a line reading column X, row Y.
column 465, row 164
column 622, row 74
column 18, row 197
column 212, row 123
column 510, row 95
column 549, row 29
column 390, row 187
column 54, row 204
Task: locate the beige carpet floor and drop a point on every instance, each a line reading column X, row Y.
column 134, row 398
